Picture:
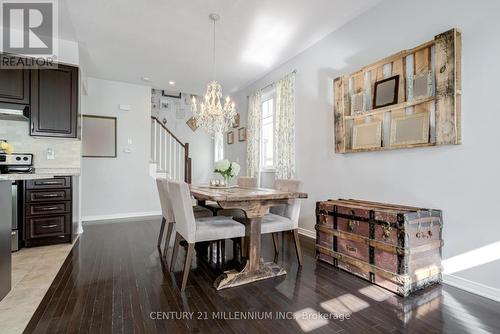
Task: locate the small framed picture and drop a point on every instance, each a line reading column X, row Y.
column 230, row 137
column 367, row 135
column 164, row 104
column 420, row 85
column 236, row 121
column 242, row 134
column 386, row 92
column 358, row 103
column 193, row 125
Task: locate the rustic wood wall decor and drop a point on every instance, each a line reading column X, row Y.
column 429, row 82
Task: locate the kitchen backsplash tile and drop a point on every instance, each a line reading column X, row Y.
column 67, row 152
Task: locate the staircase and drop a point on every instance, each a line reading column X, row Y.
column 169, row 156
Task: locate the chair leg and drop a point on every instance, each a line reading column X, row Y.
column 222, row 252
column 170, row 228
column 276, row 243
column 243, row 248
column 218, row 251
column 187, row 266
column 176, row 250
column 298, row 249
column 162, row 228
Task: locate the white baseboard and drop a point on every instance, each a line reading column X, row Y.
column 472, row 287
column 307, row 233
column 120, row 217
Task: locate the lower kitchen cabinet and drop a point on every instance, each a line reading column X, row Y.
column 47, row 211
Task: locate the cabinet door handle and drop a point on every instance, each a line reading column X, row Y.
column 49, row 182
column 49, row 208
column 48, row 195
column 49, row 226
column 33, row 126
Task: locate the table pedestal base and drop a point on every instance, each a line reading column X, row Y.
column 232, row 278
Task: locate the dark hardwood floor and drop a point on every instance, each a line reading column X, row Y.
column 113, row 281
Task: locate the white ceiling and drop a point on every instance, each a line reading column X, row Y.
column 165, row 40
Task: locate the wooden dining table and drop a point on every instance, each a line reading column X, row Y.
column 254, row 203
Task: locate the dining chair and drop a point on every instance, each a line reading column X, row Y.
column 243, row 182
column 284, row 217
column 168, row 216
column 196, row 230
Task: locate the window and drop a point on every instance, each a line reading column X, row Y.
column 267, row 135
column 218, row 146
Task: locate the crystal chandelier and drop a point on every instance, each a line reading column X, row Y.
column 213, row 114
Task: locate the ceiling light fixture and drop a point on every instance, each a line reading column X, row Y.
column 171, row 82
column 211, row 114
column 146, row 79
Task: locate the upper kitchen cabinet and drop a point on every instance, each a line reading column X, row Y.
column 15, row 86
column 54, row 102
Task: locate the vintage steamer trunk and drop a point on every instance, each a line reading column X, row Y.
column 396, row 247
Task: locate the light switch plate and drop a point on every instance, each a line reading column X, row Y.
column 50, row 154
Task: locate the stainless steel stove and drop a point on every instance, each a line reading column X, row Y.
column 16, row 163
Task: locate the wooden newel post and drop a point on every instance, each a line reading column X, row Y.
column 187, row 164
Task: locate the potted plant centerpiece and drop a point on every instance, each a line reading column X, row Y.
column 227, row 169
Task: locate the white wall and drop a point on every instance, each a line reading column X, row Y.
column 116, row 187
column 121, row 185
column 463, row 181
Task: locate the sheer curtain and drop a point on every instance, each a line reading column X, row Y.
column 253, row 135
column 284, row 133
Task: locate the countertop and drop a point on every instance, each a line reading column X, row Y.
column 41, row 173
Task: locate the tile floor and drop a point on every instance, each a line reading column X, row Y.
column 33, row 270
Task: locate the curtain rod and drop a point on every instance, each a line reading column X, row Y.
column 274, row 82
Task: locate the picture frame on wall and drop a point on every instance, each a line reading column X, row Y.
column 420, row 85
column 386, row 92
column 242, row 134
column 99, row 136
column 358, row 103
column 230, row 137
column 410, row 129
column 193, row 125
column 367, row 135
column 236, row 121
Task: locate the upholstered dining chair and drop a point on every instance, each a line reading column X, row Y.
column 168, row 216
column 195, row 230
column 284, row 217
column 243, row 182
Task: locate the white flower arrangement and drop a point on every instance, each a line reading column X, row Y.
column 227, row 169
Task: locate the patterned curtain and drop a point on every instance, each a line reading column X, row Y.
column 284, row 133
column 253, row 135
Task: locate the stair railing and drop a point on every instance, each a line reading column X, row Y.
column 169, row 153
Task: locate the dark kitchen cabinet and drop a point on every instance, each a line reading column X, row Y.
column 15, row 86
column 47, row 211
column 54, row 102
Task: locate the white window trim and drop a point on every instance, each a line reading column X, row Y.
column 271, row 94
column 218, row 147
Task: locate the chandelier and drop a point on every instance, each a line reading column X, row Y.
column 214, row 114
